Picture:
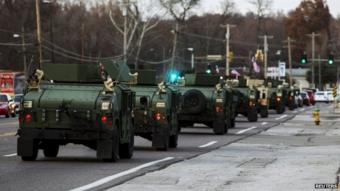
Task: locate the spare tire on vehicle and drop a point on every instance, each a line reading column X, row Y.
column 194, row 102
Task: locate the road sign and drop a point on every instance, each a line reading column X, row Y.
column 273, row 72
column 282, row 69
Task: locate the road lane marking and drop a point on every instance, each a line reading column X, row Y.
column 11, row 155
column 282, row 117
column 302, row 110
column 264, row 123
column 295, row 111
column 121, row 174
column 10, row 123
column 208, row 144
column 245, row 130
column 8, row 134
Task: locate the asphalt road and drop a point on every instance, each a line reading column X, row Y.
column 76, row 166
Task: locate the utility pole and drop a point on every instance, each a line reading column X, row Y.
column 126, row 3
column 82, row 36
column 319, row 63
column 227, row 38
column 266, row 49
column 313, row 35
column 23, row 42
column 289, row 46
column 37, row 10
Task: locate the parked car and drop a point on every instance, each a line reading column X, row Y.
column 311, row 96
column 321, row 96
column 305, row 98
column 330, row 96
column 17, row 99
column 7, row 106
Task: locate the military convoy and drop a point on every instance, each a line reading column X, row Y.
column 156, row 110
column 86, row 105
column 102, row 106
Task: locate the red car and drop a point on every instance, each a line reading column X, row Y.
column 7, row 106
column 311, row 96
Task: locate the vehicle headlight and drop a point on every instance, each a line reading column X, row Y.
column 28, row 104
column 105, row 105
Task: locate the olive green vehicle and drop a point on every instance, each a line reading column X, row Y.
column 205, row 100
column 156, row 117
column 248, row 97
column 277, row 98
column 262, row 92
column 80, row 104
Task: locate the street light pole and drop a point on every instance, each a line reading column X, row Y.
column 37, row 10
column 192, row 58
column 227, row 37
column 289, row 46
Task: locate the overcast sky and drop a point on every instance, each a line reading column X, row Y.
column 284, row 5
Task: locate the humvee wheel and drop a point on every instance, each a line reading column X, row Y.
column 280, row 109
column 219, row 127
column 161, row 143
column 7, row 115
column 264, row 112
column 232, row 123
column 126, row 149
column 51, row 150
column 252, row 115
column 173, row 141
column 34, row 154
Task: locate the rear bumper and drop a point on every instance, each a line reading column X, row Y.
column 201, row 118
column 67, row 135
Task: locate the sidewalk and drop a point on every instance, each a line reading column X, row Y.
column 292, row 156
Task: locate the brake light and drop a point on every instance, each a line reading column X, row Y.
column 218, row 109
column 158, row 116
column 278, row 99
column 103, row 119
column 28, row 117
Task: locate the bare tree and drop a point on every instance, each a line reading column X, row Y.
column 179, row 10
column 228, row 7
column 262, row 9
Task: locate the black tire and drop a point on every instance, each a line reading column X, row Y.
column 219, row 127
column 34, row 155
column 13, row 115
column 252, row 115
column 264, row 112
column 126, row 149
column 7, row 115
column 232, row 123
column 173, row 141
column 51, row 150
column 161, row 142
column 291, row 106
column 280, row 109
column 194, row 102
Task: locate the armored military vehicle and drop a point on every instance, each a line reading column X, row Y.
column 276, row 96
column 81, row 104
column 262, row 92
column 156, row 110
column 205, row 100
column 247, row 99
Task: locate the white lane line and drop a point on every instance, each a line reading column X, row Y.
column 208, row 144
column 121, row 174
column 282, row 117
column 302, row 110
column 11, row 155
column 295, row 111
column 245, row 130
column 264, row 123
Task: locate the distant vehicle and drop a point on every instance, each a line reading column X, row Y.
column 321, row 96
column 330, row 96
column 7, row 106
column 12, row 82
column 17, row 99
column 311, row 96
column 305, row 98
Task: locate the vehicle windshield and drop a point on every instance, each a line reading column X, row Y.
column 18, row 98
column 3, row 98
column 320, row 93
column 303, row 94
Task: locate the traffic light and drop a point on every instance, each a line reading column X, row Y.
column 330, row 59
column 209, row 69
column 304, row 59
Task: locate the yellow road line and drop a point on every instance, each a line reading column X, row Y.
column 8, row 134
